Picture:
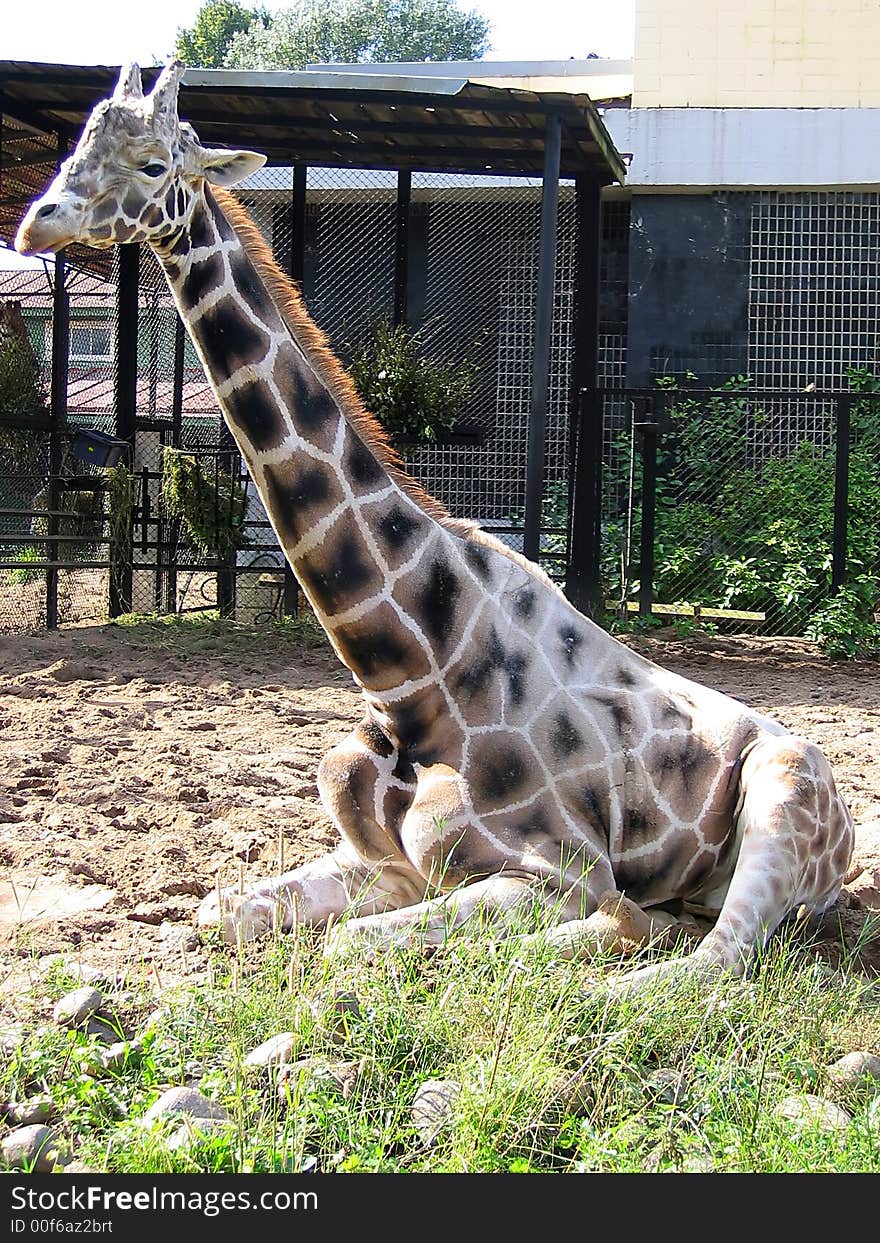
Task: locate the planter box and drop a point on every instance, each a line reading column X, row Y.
column 97, row 448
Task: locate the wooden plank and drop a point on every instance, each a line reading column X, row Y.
column 689, row 610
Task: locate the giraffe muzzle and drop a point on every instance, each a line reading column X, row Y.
column 47, row 228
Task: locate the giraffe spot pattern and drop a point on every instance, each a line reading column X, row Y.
column 249, row 287
column 304, row 395
column 397, row 527
column 361, row 464
column 479, row 560
column 436, row 602
column 524, row 603
column 571, row 640
column 252, row 410
column 295, row 490
column 377, row 649
column 202, row 278
column 414, row 730
column 224, row 228
column 338, row 572
column 133, row 204
column 565, row 738
column 228, row 341
column 201, row 228
column 499, row 772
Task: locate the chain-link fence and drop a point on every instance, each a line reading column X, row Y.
column 742, row 507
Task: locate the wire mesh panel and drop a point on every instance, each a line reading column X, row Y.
column 814, row 288
column 475, row 305
column 737, row 505
column 349, row 274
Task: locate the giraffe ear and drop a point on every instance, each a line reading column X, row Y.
column 227, row 168
column 129, row 84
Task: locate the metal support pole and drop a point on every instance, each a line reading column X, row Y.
column 401, row 247
column 290, row 594
column 841, row 493
column 58, row 415
column 168, row 531
column 582, row 581
column 121, row 550
column 648, row 433
column 541, row 343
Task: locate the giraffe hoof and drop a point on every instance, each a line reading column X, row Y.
column 239, row 916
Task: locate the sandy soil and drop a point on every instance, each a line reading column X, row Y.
column 134, row 771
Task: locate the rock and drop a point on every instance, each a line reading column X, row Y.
column 336, row 1012
column 433, row 1108
column 156, row 1018
column 33, row 1148
column 74, row 1008
column 31, row 1112
column 570, row 1094
column 80, row 1167
column 812, row 1112
column 187, row 1102
column 275, row 1051
column 341, row 1076
column 102, row 1030
column 114, row 1058
column 665, row 1087
column 194, row 1129
column 11, row 1038
column 856, row 1070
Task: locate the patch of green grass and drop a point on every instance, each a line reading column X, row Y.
column 187, row 633
column 511, row 1027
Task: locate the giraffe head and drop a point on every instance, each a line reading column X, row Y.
column 134, row 174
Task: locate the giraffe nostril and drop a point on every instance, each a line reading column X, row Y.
column 46, row 210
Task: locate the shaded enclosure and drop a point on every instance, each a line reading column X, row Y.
column 458, row 242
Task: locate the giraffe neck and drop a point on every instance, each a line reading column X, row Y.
column 348, row 520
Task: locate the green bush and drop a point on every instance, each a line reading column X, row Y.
column 413, row 396
column 210, row 505
column 754, row 531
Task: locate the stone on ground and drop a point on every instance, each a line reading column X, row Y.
column 433, row 1108
column 76, row 1007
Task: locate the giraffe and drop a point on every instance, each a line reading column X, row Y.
column 515, row 764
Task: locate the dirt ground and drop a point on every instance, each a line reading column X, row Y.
column 136, row 770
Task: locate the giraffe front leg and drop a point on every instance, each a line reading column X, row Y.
column 492, row 905
column 487, row 892
column 366, row 873
column 796, row 842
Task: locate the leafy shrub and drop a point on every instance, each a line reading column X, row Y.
column 413, row 396
column 21, row 576
column 210, row 505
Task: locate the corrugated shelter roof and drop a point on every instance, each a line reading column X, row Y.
column 332, row 119
column 369, row 120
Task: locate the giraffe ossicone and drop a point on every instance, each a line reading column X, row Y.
column 514, row 762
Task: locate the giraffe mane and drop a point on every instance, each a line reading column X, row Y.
column 289, row 303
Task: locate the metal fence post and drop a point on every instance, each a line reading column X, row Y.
column 648, row 433
column 290, row 593
column 843, row 410
column 582, row 578
column 541, row 342
column 58, row 414
column 121, row 549
column 401, row 247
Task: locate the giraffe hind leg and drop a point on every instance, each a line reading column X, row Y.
column 796, row 843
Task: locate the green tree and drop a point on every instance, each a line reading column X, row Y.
column 351, row 31
column 205, row 43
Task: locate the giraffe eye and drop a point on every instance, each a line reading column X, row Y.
column 153, row 169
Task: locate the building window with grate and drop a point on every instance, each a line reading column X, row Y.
column 91, row 342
